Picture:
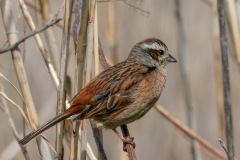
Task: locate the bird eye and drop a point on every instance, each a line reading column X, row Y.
column 161, row 52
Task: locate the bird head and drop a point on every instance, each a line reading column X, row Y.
column 151, row 52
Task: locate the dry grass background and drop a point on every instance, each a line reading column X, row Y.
column 155, row 137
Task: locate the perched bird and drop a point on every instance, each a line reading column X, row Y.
column 121, row 94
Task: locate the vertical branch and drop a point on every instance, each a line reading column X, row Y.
column 3, row 106
column 11, row 32
column 226, row 82
column 218, row 69
column 181, row 43
column 62, row 81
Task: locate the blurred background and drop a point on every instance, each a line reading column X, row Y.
column 120, row 26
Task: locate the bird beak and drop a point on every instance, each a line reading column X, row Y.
column 170, row 58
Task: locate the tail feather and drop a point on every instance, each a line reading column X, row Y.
column 44, row 127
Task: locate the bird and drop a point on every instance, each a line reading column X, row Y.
column 122, row 93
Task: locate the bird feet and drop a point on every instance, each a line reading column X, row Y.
column 128, row 140
column 125, row 140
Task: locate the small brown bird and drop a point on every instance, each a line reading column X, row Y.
column 123, row 93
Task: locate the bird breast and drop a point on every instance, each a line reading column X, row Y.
column 151, row 90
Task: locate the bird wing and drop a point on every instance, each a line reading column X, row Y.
column 119, row 97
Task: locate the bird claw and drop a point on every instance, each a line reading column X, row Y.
column 128, row 140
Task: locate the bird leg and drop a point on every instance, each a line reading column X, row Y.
column 125, row 140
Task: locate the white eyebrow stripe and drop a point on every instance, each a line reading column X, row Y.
column 154, row 45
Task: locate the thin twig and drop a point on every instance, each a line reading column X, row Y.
column 143, row 11
column 29, row 35
column 189, row 132
column 3, row 106
column 125, row 1
column 226, row 80
column 224, row 147
column 36, row 7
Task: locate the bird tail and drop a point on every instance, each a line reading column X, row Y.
column 44, row 127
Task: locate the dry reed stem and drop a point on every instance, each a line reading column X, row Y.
column 32, row 26
column 226, row 80
column 83, row 144
column 181, row 46
column 189, row 132
column 96, row 54
column 62, row 80
column 37, row 8
column 76, row 10
column 97, row 71
column 11, row 31
column 88, row 73
column 79, row 74
column 233, row 26
column 81, row 45
column 92, row 10
column 89, row 53
column 50, row 37
column 112, row 18
column 3, row 106
column 44, row 9
column 75, row 140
